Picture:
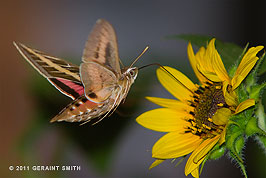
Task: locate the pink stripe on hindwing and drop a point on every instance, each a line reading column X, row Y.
column 73, row 89
column 78, row 88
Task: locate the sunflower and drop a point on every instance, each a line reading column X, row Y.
column 198, row 119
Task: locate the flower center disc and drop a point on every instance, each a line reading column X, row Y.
column 206, row 101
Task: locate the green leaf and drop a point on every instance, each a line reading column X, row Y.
column 262, row 67
column 229, row 52
column 197, row 40
column 261, row 117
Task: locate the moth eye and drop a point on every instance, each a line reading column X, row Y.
column 132, row 73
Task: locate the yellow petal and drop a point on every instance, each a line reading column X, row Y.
column 246, row 64
column 203, row 151
column 201, row 58
column 216, row 62
column 195, row 173
column 244, row 105
column 204, row 60
column 180, row 86
column 163, row 120
column 175, row 144
column 210, row 75
column 222, row 139
column 194, row 62
column 170, row 103
column 156, row 163
column 221, row 116
column 199, row 154
column 229, row 96
column 205, row 67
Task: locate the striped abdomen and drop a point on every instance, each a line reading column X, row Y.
column 80, row 110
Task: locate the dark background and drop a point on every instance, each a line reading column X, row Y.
column 118, row 146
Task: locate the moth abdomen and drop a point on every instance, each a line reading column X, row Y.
column 79, row 110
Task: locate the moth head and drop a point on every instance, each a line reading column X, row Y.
column 132, row 72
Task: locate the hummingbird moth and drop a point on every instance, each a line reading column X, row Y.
column 97, row 86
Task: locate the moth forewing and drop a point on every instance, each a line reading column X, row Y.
column 63, row 75
column 28, row 54
column 47, row 65
column 101, row 46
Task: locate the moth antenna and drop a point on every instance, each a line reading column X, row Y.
column 147, row 47
column 162, row 67
column 121, row 63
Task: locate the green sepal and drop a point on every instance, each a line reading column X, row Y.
column 235, row 139
column 261, row 117
column 242, row 93
column 250, row 82
column 217, row 152
column 256, row 90
column 235, row 143
column 252, row 128
column 179, row 161
column 240, row 120
column 262, row 141
column 203, row 164
column 241, row 164
column 233, row 68
column 252, row 78
column 262, row 67
column 239, row 145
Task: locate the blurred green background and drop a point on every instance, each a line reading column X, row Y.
column 117, row 146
